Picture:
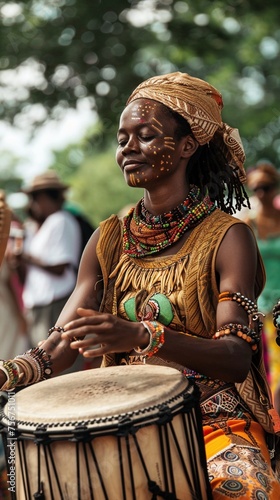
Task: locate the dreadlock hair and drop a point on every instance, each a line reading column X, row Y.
column 212, row 173
column 210, row 170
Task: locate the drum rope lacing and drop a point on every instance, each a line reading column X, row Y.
column 127, row 437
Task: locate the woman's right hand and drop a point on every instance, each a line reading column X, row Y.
column 95, row 334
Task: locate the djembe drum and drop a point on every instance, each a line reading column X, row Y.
column 118, row 433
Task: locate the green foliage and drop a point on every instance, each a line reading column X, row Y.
column 9, row 183
column 100, row 50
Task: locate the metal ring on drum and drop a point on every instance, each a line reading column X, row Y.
column 117, row 433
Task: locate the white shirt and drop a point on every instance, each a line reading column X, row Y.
column 58, row 241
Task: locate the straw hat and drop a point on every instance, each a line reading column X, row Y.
column 47, row 180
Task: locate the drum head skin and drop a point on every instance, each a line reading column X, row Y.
column 97, row 394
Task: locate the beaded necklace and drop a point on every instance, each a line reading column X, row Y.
column 145, row 234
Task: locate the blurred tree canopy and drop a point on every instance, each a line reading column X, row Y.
column 56, row 54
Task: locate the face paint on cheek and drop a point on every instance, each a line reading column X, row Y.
column 165, row 163
column 169, row 143
column 153, row 149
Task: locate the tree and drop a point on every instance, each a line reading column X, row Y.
column 57, row 53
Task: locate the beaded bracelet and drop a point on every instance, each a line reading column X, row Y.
column 31, row 369
column 56, row 329
column 248, row 305
column 28, row 368
column 11, row 371
column 241, row 331
column 43, row 359
column 61, row 329
column 30, row 374
column 156, row 332
column 276, row 320
column 35, row 364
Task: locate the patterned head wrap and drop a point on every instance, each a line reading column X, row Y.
column 201, row 105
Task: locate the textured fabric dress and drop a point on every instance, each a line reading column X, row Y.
column 180, row 291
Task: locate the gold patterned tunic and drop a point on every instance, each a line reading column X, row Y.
column 180, row 291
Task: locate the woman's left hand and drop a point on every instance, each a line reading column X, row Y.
column 98, row 333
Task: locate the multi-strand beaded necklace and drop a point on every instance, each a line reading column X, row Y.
column 145, row 234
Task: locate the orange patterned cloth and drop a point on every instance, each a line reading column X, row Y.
column 201, row 105
column 238, row 462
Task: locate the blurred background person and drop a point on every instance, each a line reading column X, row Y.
column 13, row 325
column 50, row 257
column 263, row 181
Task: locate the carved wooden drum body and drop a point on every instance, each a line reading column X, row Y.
column 120, row 433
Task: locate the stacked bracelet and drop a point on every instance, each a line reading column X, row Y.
column 156, row 332
column 31, row 369
column 28, row 368
column 248, row 305
column 39, row 358
column 242, row 331
column 10, row 369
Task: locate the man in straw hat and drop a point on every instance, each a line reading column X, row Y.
column 51, row 253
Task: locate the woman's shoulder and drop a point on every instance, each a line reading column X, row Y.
column 218, row 222
column 235, row 231
column 110, row 227
column 112, row 220
column 109, row 239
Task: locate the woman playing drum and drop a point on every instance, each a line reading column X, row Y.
column 175, row 282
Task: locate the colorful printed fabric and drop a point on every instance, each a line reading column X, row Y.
column 238, row 462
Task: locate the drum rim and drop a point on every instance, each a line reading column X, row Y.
column 186, row 400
